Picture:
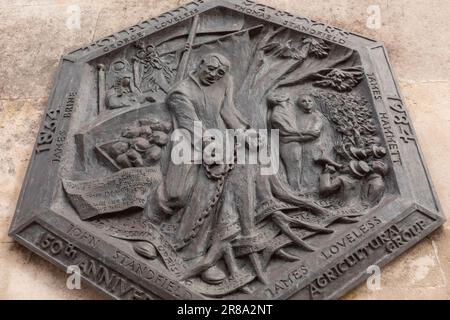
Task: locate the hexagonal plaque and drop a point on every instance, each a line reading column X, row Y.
column 226, row 150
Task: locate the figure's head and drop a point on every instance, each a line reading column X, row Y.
column 307, row 103
column 213, row 67
column 277, row 99
column 125, row 81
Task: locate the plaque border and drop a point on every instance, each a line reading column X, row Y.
column 416, row 191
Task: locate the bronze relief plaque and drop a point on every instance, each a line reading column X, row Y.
column 226, row 150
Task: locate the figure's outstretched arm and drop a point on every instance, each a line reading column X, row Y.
column 230, row 114
column 297, row 138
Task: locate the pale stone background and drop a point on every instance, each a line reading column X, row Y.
column 34, row 34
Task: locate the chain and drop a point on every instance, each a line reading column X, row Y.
column 220, row 182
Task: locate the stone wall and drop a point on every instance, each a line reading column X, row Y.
column 35, row 33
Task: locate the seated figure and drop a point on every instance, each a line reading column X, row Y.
column 122, row 95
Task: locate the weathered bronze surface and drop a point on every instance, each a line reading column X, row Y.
column 349, row 189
